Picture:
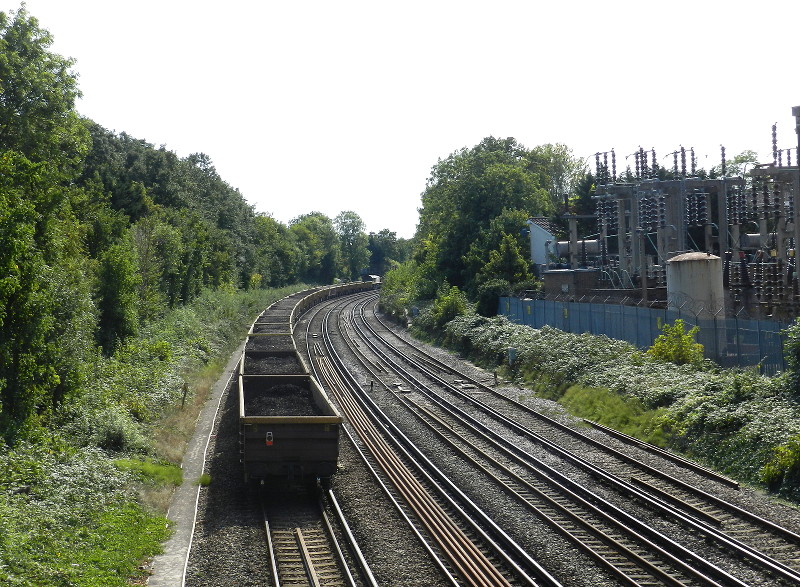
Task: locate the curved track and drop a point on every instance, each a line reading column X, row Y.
column 623, row 510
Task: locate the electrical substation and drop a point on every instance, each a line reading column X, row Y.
column 672, row 236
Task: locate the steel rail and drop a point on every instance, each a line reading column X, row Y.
column 733, row 544
column 447, row 573
column 627, row 521
column 712, row 499
column 465, row 558
column 351, row 541
column 371, row 435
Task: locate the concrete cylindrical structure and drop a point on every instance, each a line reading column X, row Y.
column 694, row 284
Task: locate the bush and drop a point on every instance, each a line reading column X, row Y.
column 677, row 346
column 791, row 348
column 782, row 472
column 448, row 306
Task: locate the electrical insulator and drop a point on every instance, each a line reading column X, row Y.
column 613, row 165
column 655, row 165
column 702, row 216
column 694, row 163
column 774, row 143
column 683, row 162
column 754, row 195
column 643, row 162
column 722, row 150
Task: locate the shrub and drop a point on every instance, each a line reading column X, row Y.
column 791, row 348
column 676, row 345
column 448, row 306
column 782, row 472
column 738, row 421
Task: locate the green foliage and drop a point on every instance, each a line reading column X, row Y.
column 489, row 294
column 469, row 189
column 204, row 480
column 353, row 242
column 448, row 306
column 677, row 345
column 385, row 248
column 319, row 246
column 119, row 279
column 506, row 263
column 37, row 96
column 782, row 472
column 399, row 289
column 609, row 409
column 151, row 471
column 791, row 346
column 561, row 170
column 66, row 518
column 26, row 293
column 450, row 303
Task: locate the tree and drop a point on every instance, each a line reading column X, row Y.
column 319, row 247
column 737, row 166
column 353, row 242
column 26, row 303
column 506, row 263
column 508, row 222
column 561, row 171
column 470, row 188
column 37, row 96
column 119, row 280
column 383, row 248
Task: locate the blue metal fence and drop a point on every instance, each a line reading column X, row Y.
column 730, row 342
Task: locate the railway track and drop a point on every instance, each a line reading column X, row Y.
column 302, row 544
column 466, row 551
column 763, row 543
column 691, row 515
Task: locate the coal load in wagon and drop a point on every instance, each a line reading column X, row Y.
column 282, row 400
column 270, row 342
column 272, row 365
column 272, row 328
column 274, row 317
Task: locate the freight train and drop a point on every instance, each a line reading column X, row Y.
column 288, row 427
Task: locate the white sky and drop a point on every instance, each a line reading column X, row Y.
column 331, row 106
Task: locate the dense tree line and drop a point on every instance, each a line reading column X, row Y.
column 101, row 232
column 472, row 230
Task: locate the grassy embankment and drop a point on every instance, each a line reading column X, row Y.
column 83, row 494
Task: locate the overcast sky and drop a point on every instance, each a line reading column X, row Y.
column 329, row 106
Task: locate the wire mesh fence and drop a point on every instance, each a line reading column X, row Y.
column 730, row 342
